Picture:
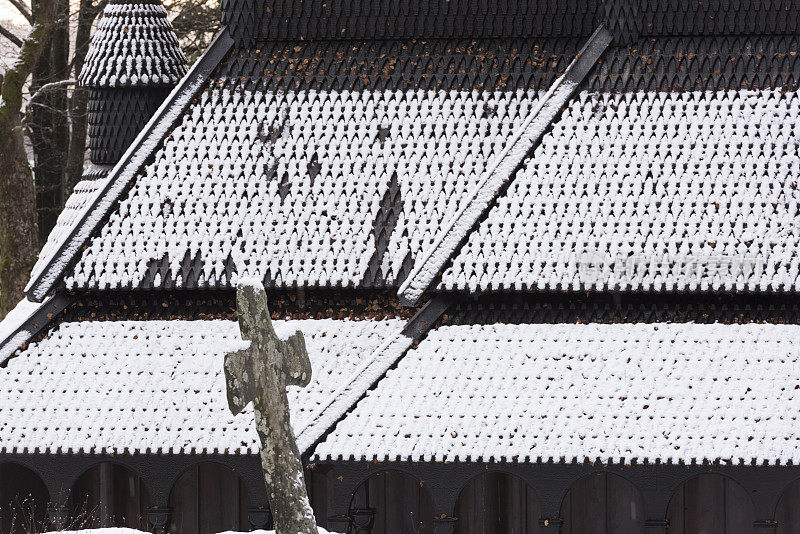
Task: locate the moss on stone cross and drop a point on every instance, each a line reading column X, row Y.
column 260, row 373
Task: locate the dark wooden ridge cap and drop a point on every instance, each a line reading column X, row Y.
column 454, row 231
column 315, row 428
column 49, row 271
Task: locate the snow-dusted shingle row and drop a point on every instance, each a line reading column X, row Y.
column 84, row 194
column 663, row 191
column 574, row 391
column 133, row 46
column 287, row 186
column 157, row 386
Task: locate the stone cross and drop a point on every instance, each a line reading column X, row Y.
column 260, row 373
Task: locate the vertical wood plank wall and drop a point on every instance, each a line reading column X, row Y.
column 320, row 492
column 711, row 503
column 497, row 503
column 209, row 498
column 401, row 503
column 788, row 510
column 23, row 499
column 109, row 495
column 602, row 504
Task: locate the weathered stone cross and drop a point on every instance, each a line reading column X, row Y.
column 260, row 374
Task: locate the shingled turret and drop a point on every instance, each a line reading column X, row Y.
column 133, row 62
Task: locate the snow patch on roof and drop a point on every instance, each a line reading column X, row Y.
column 485, row 190
column 12, row 328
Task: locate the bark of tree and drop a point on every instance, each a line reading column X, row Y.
column 49, row 126
column 260, row 374
column 18, row 236
column 87, row 11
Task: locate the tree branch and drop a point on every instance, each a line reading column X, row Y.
column 22, row 8
column 5, row 32
column 50, row 86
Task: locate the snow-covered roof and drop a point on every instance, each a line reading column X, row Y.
column 613, row 392
column 15, row 328
column 134, row 46
column 158, row 386
column 522, row 392
column 335, row 163
column 289, row 187
column 650, row 191
column 337, row 183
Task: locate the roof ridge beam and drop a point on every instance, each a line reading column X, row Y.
column 502, row 169
column 46, row 275
column 373, row 368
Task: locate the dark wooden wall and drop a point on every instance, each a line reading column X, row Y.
column 23, row 499
column 602, row 504
column 497, row 503
column 209, row 498
column 711, row 503
column 320, row 492
column 788, row 511
column 400, row 502
column 109, row 495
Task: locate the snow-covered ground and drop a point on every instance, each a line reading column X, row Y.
column 134, row 531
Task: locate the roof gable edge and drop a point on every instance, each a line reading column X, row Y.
column 49, row 271
column 26, row 320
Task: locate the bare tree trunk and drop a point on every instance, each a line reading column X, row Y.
column 49, row 127
column 18, row 239
column 80, row 98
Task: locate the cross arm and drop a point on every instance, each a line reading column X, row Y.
column 298, row 365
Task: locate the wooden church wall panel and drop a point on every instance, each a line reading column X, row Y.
column 109, row 495
column 624, row 506
column 710, row 503
column 399, row 501
column 497, row 503
column 320, row 492
column 787, row 513
column 23, row 499
column 675, row 512
column 184, row 503
column 128, row 499
column 532, row 509
column 706, row 513
column 602, row 503
column 85, row 492
column 209, row 498
column 219, row 499
column 739, row 515
column 588, row 506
